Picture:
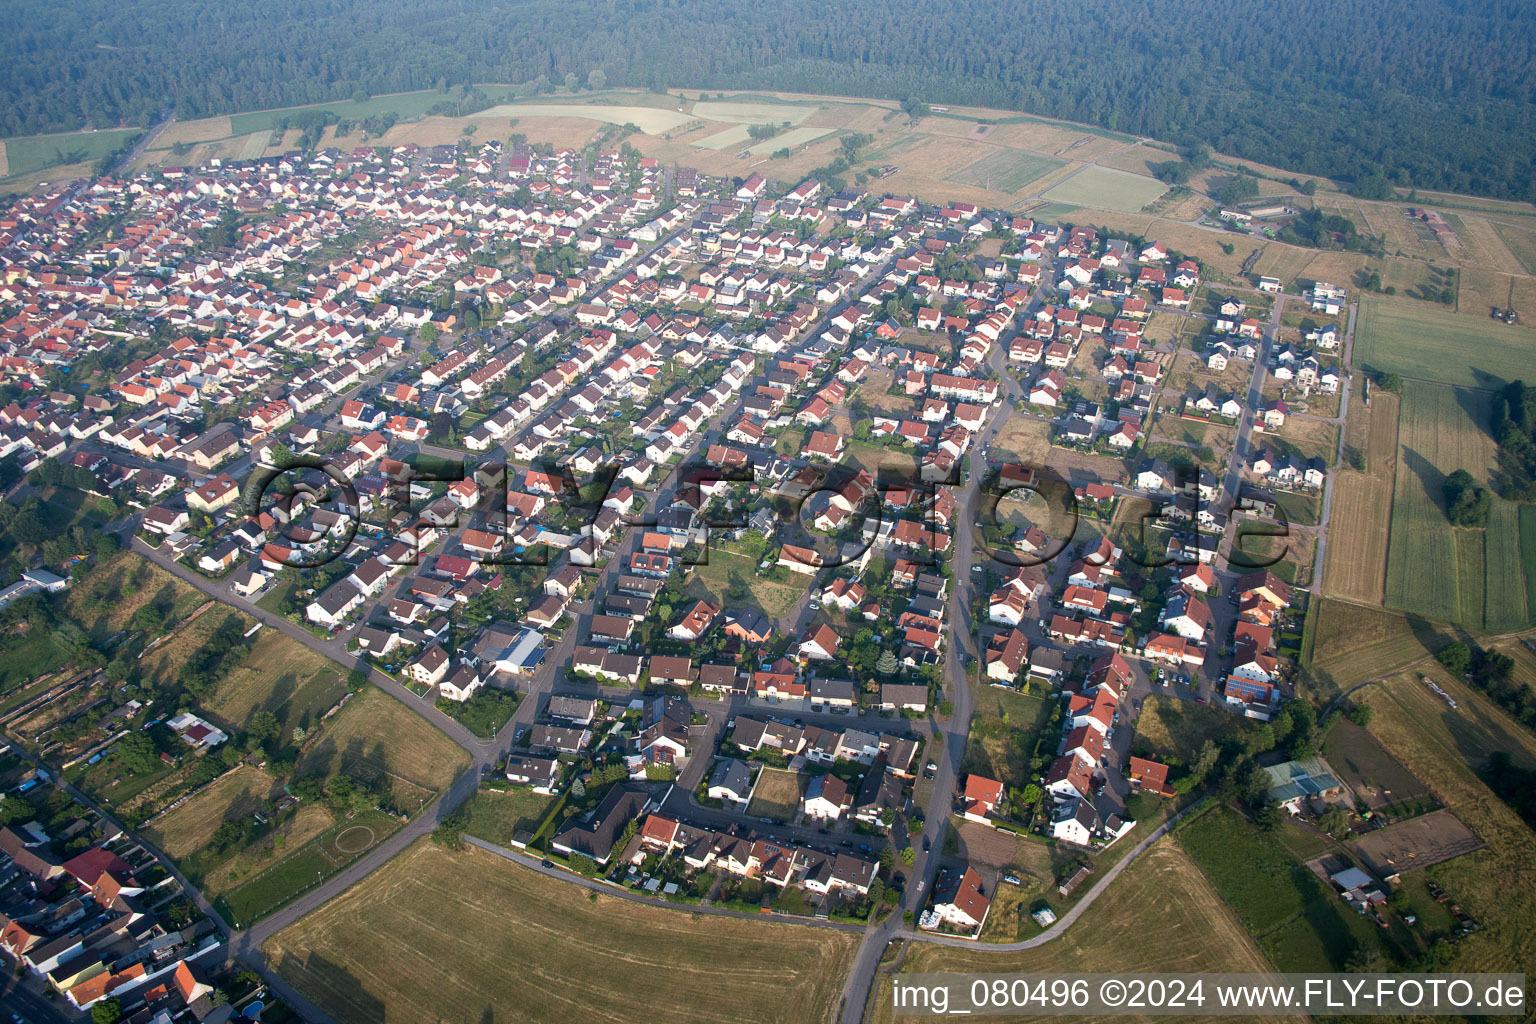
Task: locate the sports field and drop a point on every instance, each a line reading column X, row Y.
column 468, row 936
column 1107, row 189
column 1419, row 341
column 1162, row 895
column 307, row 866
column 1472, row 577
column 1006, row 170
column 1356, row 559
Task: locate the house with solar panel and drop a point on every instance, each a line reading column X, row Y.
column 1293, row 783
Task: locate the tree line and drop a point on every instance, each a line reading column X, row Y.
column 1382, row 95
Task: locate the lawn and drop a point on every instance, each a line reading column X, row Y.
column 496, row 817
column 1181, row 727
column 306, row 867
column 777, row 796
column 1434, row 570
column 379, row 740
column 1418, row 341
column 712, row 581
column 25, row 154
column 1107, row 189
column 437, row 935
column 1003, row 732
column 1162, row 895
column 1298, row 922
column 1006, row 170
column 282, row 676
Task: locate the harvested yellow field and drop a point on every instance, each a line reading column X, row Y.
column 1162, row 894
column 438, row 935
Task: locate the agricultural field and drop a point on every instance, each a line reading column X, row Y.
column 1359, row 527
column 1297, row 920
column 1108, row 189
column 403, row 104
column 732, row 138
column 1006, row 170
column 792, row 139
column 1369, row 769
column 1445, row 749
column 29, row 154
column 1481, row 291
column 1434, row 570
column 378, row 740
column 509, row 943
column 1521, row 242
column 1350, row 643
column 738, row 111
column 1163, row 894
column 1437, row 345
column 776, row 796
column 648, row 119
column 1286, row 262
column 111, row 595
column 282, row 676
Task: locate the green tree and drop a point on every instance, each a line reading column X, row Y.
column 1455, row 656
column 107, row 1011
column 136, row 753
column 597, row 78
column 908, row 855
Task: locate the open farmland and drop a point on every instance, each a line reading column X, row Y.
column 1350, row 643
column 1432, row 569
column 1161, row 894
column 1006, row 170
column 1108, row 189
column 28, row 154
column 1359, row 528
column 792, row 139
column 1445, row 748
column 435, row 935
column 648, row 119
column 1521, row 242
column 377, row 739
column 1422, row 342
column 744, row 112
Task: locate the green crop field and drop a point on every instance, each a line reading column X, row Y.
column 27, row 153
column 403, row 104
column 1007, row 170
column 1107, row 189
column 1415, row 340
column 1472, row 577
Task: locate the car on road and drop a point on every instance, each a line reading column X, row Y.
column 547, row 864
column 1199, row 700
column 813, row 605
column 766, row 821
